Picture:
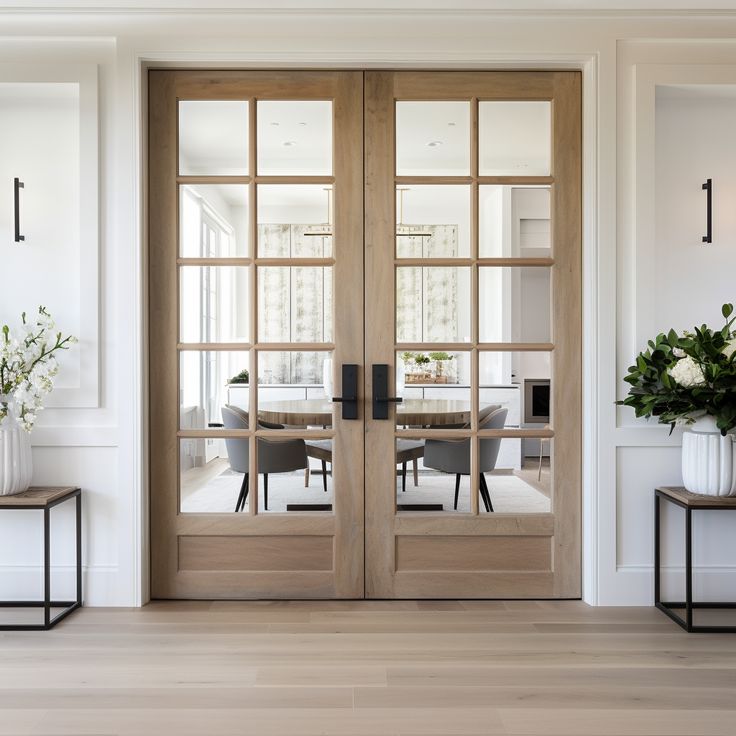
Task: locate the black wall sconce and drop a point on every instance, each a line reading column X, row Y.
column 17, row 186
column 708, row 187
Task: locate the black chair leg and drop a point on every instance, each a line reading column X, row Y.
column 457, row 489
column 324, row 475
column 240, row 505
column 265, row 491
column 403, row 477
column 240, row 496
column 485, row 493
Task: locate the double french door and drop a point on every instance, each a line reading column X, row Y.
column 365, row 334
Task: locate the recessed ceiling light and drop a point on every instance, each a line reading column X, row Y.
column 288, row 144
column 275, row 125
column 434, row 144
column 303, row 125
column 451, row 125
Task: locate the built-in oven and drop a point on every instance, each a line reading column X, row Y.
column 536, row 400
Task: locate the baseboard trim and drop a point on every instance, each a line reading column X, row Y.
column 25, row 582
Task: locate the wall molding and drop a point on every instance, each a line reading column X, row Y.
column 86, row 394
column 25, row 582
column 77, row 436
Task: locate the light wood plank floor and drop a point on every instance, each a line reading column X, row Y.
column 365, row 668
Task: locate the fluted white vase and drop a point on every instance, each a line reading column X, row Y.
column 708, row 459
column 16, row 465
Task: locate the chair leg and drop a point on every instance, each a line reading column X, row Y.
column 539, row 472
column 485, row 492
column 457, row 489
column 403, row 477
column 240, row 503
column 265, row 491
column 324, row 476
column 415, row 463
column 306, row 476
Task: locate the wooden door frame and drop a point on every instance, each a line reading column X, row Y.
column 598, row 255
column 553, row 569
column 294, row 575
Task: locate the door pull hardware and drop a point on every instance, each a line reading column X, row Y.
column 17, row 186
column 708, row 187
column 349, row 399
column 381, row 399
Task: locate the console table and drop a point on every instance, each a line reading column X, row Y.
column 44, row 499
column 690, row 502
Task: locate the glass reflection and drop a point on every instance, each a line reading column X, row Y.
column 295, row 137
column 515, row 138
column 294, row 377
column 213, row 221
column 432, row 138
column 214, row 304
column 294, row 304
column 213, row 137
column 515, row 304
column 514, row 222
column 434, row 474
column 209, row 380
column 432, row 304
column 295, row 221
column 433, row 221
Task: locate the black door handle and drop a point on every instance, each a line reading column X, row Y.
column 17, row 186
column 381, row 399
column 349, row 400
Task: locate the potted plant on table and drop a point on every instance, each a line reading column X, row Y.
column 27, row 368
column 242, row 377
column 440, row 358
column 689, row 379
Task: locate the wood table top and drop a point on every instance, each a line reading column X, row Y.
column 303, row 412
column 697, row 500
column 37, row 496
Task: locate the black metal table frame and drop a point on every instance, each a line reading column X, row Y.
column 688, row 604
column 47, row 604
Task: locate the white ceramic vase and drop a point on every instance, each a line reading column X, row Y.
column 16, row 465
column 708, row 459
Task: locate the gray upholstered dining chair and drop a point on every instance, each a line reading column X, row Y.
column 453, row 456
column 274, row 456
column 406, row 450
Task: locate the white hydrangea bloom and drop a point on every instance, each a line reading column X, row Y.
column 687, row 372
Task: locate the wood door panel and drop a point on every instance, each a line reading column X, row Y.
column 473, row 584
column 266, row 553
column 250, row 585
column 473, row 553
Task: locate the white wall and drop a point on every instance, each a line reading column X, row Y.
column 103, row 449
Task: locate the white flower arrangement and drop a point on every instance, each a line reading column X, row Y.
column 682, row 377
column 687, row 372
column 28, row 365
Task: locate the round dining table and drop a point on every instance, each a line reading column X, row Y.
column 414, row 412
